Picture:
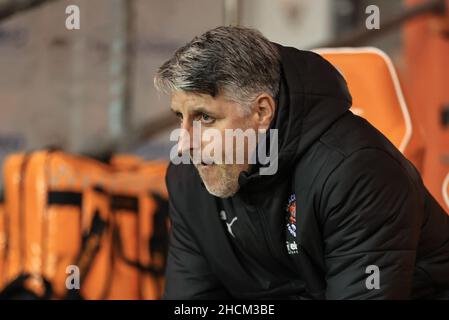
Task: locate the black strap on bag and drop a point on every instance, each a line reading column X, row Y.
column 124, row 202
column 18, row 290
column 65, row 198
column 91, row 243
column 131, row 205
column 159, row 240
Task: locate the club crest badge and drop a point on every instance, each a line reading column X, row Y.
column 290, row 220
column 291, row 215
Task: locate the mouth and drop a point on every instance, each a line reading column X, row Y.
column 205, row 165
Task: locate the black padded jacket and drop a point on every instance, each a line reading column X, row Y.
column 344, row 206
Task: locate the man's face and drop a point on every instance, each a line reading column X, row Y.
column 220, row 179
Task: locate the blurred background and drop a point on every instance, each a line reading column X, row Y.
column 85, row 90
column 90, row 91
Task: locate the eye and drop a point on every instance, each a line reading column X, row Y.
column 179, row 116
column 206, row 118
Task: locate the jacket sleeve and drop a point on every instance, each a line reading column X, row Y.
column 188, row 275
column 371, row 224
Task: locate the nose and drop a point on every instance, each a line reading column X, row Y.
column 184, row 141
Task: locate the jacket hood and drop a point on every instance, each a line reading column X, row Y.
column 312, row 95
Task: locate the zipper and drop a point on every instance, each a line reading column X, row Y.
column 266, row 235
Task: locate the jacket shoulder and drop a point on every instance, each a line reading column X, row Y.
column 347, row 138
column 352, row 133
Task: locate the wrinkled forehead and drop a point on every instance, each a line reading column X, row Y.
column 185, row 101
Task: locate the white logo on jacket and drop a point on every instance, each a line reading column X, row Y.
column 230, row 226
column 292, row 247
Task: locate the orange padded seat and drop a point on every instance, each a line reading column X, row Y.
column 377, row 95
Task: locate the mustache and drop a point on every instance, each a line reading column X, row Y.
column 202, row 161
column 198, row 158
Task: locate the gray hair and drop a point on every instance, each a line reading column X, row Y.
column 235, row 61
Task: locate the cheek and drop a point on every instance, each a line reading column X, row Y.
column 218, row 143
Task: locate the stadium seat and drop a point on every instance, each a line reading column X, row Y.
column 377, row 96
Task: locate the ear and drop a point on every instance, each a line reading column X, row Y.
column 264, row 108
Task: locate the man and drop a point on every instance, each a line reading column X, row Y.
column 345, row 215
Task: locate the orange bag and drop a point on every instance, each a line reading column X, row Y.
column 140, row 227
column 110, row 220
column 58, row 213
column 3, row 244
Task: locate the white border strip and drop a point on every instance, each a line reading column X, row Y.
column 445, row 190
column 408, row 123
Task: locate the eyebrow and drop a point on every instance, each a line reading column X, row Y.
column 196, row 111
